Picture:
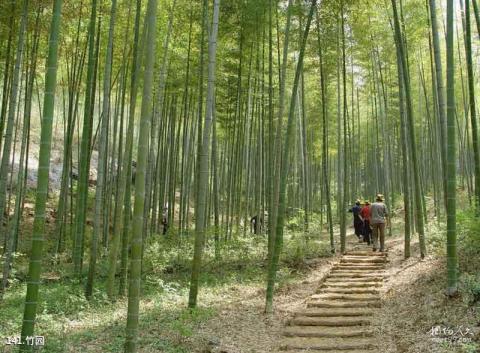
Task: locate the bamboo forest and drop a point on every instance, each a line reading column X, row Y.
column 240, row 176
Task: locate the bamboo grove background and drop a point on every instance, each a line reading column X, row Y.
column 213, row 113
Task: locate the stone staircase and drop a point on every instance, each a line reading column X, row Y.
column 338, row 316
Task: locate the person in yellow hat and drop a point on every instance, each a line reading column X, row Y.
column 379, row 217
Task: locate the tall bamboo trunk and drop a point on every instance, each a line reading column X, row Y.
column 84, row 166
column 203, row 163
column 8, row 139
column 99, row 215
column 326, row 179
column 440, row 89
column 282, row 174
column 140, row 181
column 452, row 261
column 277, row 144
column 471, row 100
column 14, row 226
column 411, row 132
column 38, row 234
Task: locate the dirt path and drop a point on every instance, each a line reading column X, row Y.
column 338, row 316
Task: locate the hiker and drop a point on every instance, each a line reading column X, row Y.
column 379, row 216
column 256, row 225
column 165, row 220
column 357, row 221
column 366, row 216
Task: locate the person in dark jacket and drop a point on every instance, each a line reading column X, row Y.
column 165, row 220
column 256, row 224
column 357, row 221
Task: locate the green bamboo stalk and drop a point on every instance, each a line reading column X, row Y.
column 38, row 234
column 439, row 86
column 215, row 190
column 14, row 226
column 74, row 81
column 411, row 132
column 471, row 96
column 325, row 140
column 283, row 173
column 6, row 74
column 139, row 204
column 123, row 210
column 277, row 148
column 343, row 226
column 203, row 163
column 84, row 167
column 452, row 261
column 7, row 144
column 406, row 165
column 102, row 158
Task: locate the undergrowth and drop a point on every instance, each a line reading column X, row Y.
column 468, row 249
column 70, row 323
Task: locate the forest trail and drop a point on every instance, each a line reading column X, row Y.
column 338, row 315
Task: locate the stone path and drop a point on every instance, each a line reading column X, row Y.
column 338, row 316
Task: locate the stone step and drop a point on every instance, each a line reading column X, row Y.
column 341, row 296
column 361, row 264
column 347, row 290
column 355, row 279
column 340, row 270
column 330, row 321
column 355, row 275
column 373, row 255
column 328, row 312
column 350, row 284
column 358, row 259
column 337, row 318
column 323, row 303
column 364, row 253
column 323, row 331
column 358, row 267
column 326, row 343
column 361, row 247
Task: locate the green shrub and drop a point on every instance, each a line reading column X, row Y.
column 470, row 284
column 437, row 238
column 300, row 248
column 64, row 300
column 468, row 227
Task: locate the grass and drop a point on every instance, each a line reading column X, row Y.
column 70, row 323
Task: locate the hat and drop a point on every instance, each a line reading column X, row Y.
column 357, row 202
column 380, row 197
column 367, row 202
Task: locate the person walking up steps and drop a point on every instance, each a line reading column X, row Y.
column 357, row 221
column 366, row 215
column 379, row 216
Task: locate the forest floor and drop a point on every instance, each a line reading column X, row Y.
column 415, row 316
